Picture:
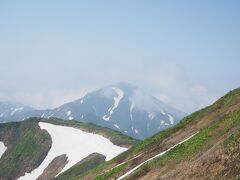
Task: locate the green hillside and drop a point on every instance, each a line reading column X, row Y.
column 27, row 146
column 214, row 149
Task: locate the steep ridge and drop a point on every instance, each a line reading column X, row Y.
column 33, row 144
column 214, row 149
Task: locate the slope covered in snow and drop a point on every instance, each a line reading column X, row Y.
column 13, row 111
column 75, row 144
column 3, row 148
column 117, row 99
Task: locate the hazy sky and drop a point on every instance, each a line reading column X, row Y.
column 186, row 53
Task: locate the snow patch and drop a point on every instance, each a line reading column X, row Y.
column 106, row 117
column 136, row 131
column 81, row 101
column 2, row 114
column 70, row 118
column 69, row 113
column 71, row 143
column 116, row 126
column 151, row 116
column 95, row 110
column 131, row 110
column 42, row 115
column 16, row 110
column 51, row 115
column 3, row 148
column 163, row 113
column 171, row 119
column 117, row 99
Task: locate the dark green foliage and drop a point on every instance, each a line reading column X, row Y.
column 27, row 146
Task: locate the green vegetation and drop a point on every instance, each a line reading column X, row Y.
column 202, row 139
column 27, row 146
column 199, row 143
column 112, row 172
column 232, row 144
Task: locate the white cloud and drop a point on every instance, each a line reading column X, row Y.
column 171, row 84
column 167, row 81
column 199, row 90
column 50, row 99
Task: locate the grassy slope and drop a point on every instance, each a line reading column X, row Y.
column 219, row 112
column 27, row 146
column 197, row 146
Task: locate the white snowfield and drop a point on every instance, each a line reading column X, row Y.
column 158, row 155
column 131, row 110
column 117, row 99
column 3, row 148
column 171, row 119
column 76, row 144
column 14, row 110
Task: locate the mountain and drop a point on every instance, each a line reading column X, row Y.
column 43, row 148
column 203, row 145
column 121, row 107
column 10, row 111
column 205, row 141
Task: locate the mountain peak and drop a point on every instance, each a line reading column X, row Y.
column 121, row 106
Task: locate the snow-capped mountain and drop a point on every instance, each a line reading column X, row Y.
column 10, row 111
column 122, row 107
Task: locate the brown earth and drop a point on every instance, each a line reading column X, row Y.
column 215, row 163
column 57, row 164
column 82, row 166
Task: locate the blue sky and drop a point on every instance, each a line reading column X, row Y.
column 186, row 53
